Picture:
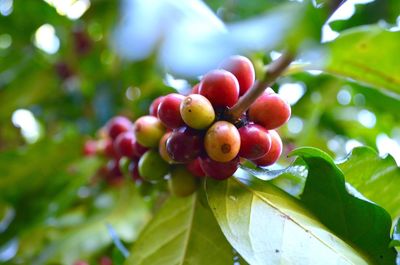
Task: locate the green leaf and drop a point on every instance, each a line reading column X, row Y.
column 268, row 226
column 361, row 223
column 127, row 218
column 396, row 235
column 367, row 54
column 376, row 178
column 183, row 232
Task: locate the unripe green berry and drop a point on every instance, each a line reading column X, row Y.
column 152, row 167
column 197, row 111
column 148, row 131
column 222, row 141
column 181, row 183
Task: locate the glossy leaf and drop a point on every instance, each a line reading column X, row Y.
column 376, row 178
column 363, row 224
column 396, row 234
column 127, row 218
column 183, row 232
column 268, row 226
column 367, row 54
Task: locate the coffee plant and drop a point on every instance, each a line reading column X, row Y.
column 199, row 132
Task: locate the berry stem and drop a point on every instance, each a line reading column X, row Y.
column 274, row 70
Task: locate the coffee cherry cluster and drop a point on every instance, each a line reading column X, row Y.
column 189, row 136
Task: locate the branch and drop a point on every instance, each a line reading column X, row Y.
column 274, row 70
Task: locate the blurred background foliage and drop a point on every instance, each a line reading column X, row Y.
column 61, row 80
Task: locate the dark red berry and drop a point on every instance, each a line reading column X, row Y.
column 220, row 87
column 274, row 153
column 194, row 167
column 118, row 125
column 139, row 150
column 109, row 149
column 255, row 141
column 169, row 111
column 184, row 144
column 82, row 42
column 134, row 171
column 243, row 69
column 114, row 175
column 154, row 106
column 218, row 170
column 124, row 144
column 270, row 111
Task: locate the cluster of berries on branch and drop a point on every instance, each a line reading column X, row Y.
column 188, row 137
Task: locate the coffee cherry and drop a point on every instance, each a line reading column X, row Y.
column 138, row 150
column 90, row 148
column 195, row 89
column 181, row 182
column 197, row 111
column 124, row 144
column 255, row 141
column 194, row 167
column 152, row 167
column 184, row 144
column 222, row 141
column 162, row 148
column 118, row 125
column 114, row 174
column 154, row 106
column 218, row 170
column 109, row 149
column 274, row 153
column 220, row 87
column 168, row 111
column 105, row 261
column 80, row 262
column 134, row 171
column 148, row 131
column 270, row 111
column 243, row 69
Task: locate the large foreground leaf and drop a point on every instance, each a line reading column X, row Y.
column 267, row 226
column 363, row 224
column 127, row 217
column 376, row 178
column 368, row 54
column 183, row 232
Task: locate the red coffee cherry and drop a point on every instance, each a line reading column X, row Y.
column 90, row 148
column 242, row 68
column 118, row 125
column 222, row 141
column 195, row 89
column 168, row 110
column 270, row 111
column 114, row 174
column 194, row 167
column 218, row 170
column 109, row 149
column 184, row 144
column 148, row 131
column 255, row 141
column 274, row 153
column 154, row 106
column 220, row 87
column 124, row 144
